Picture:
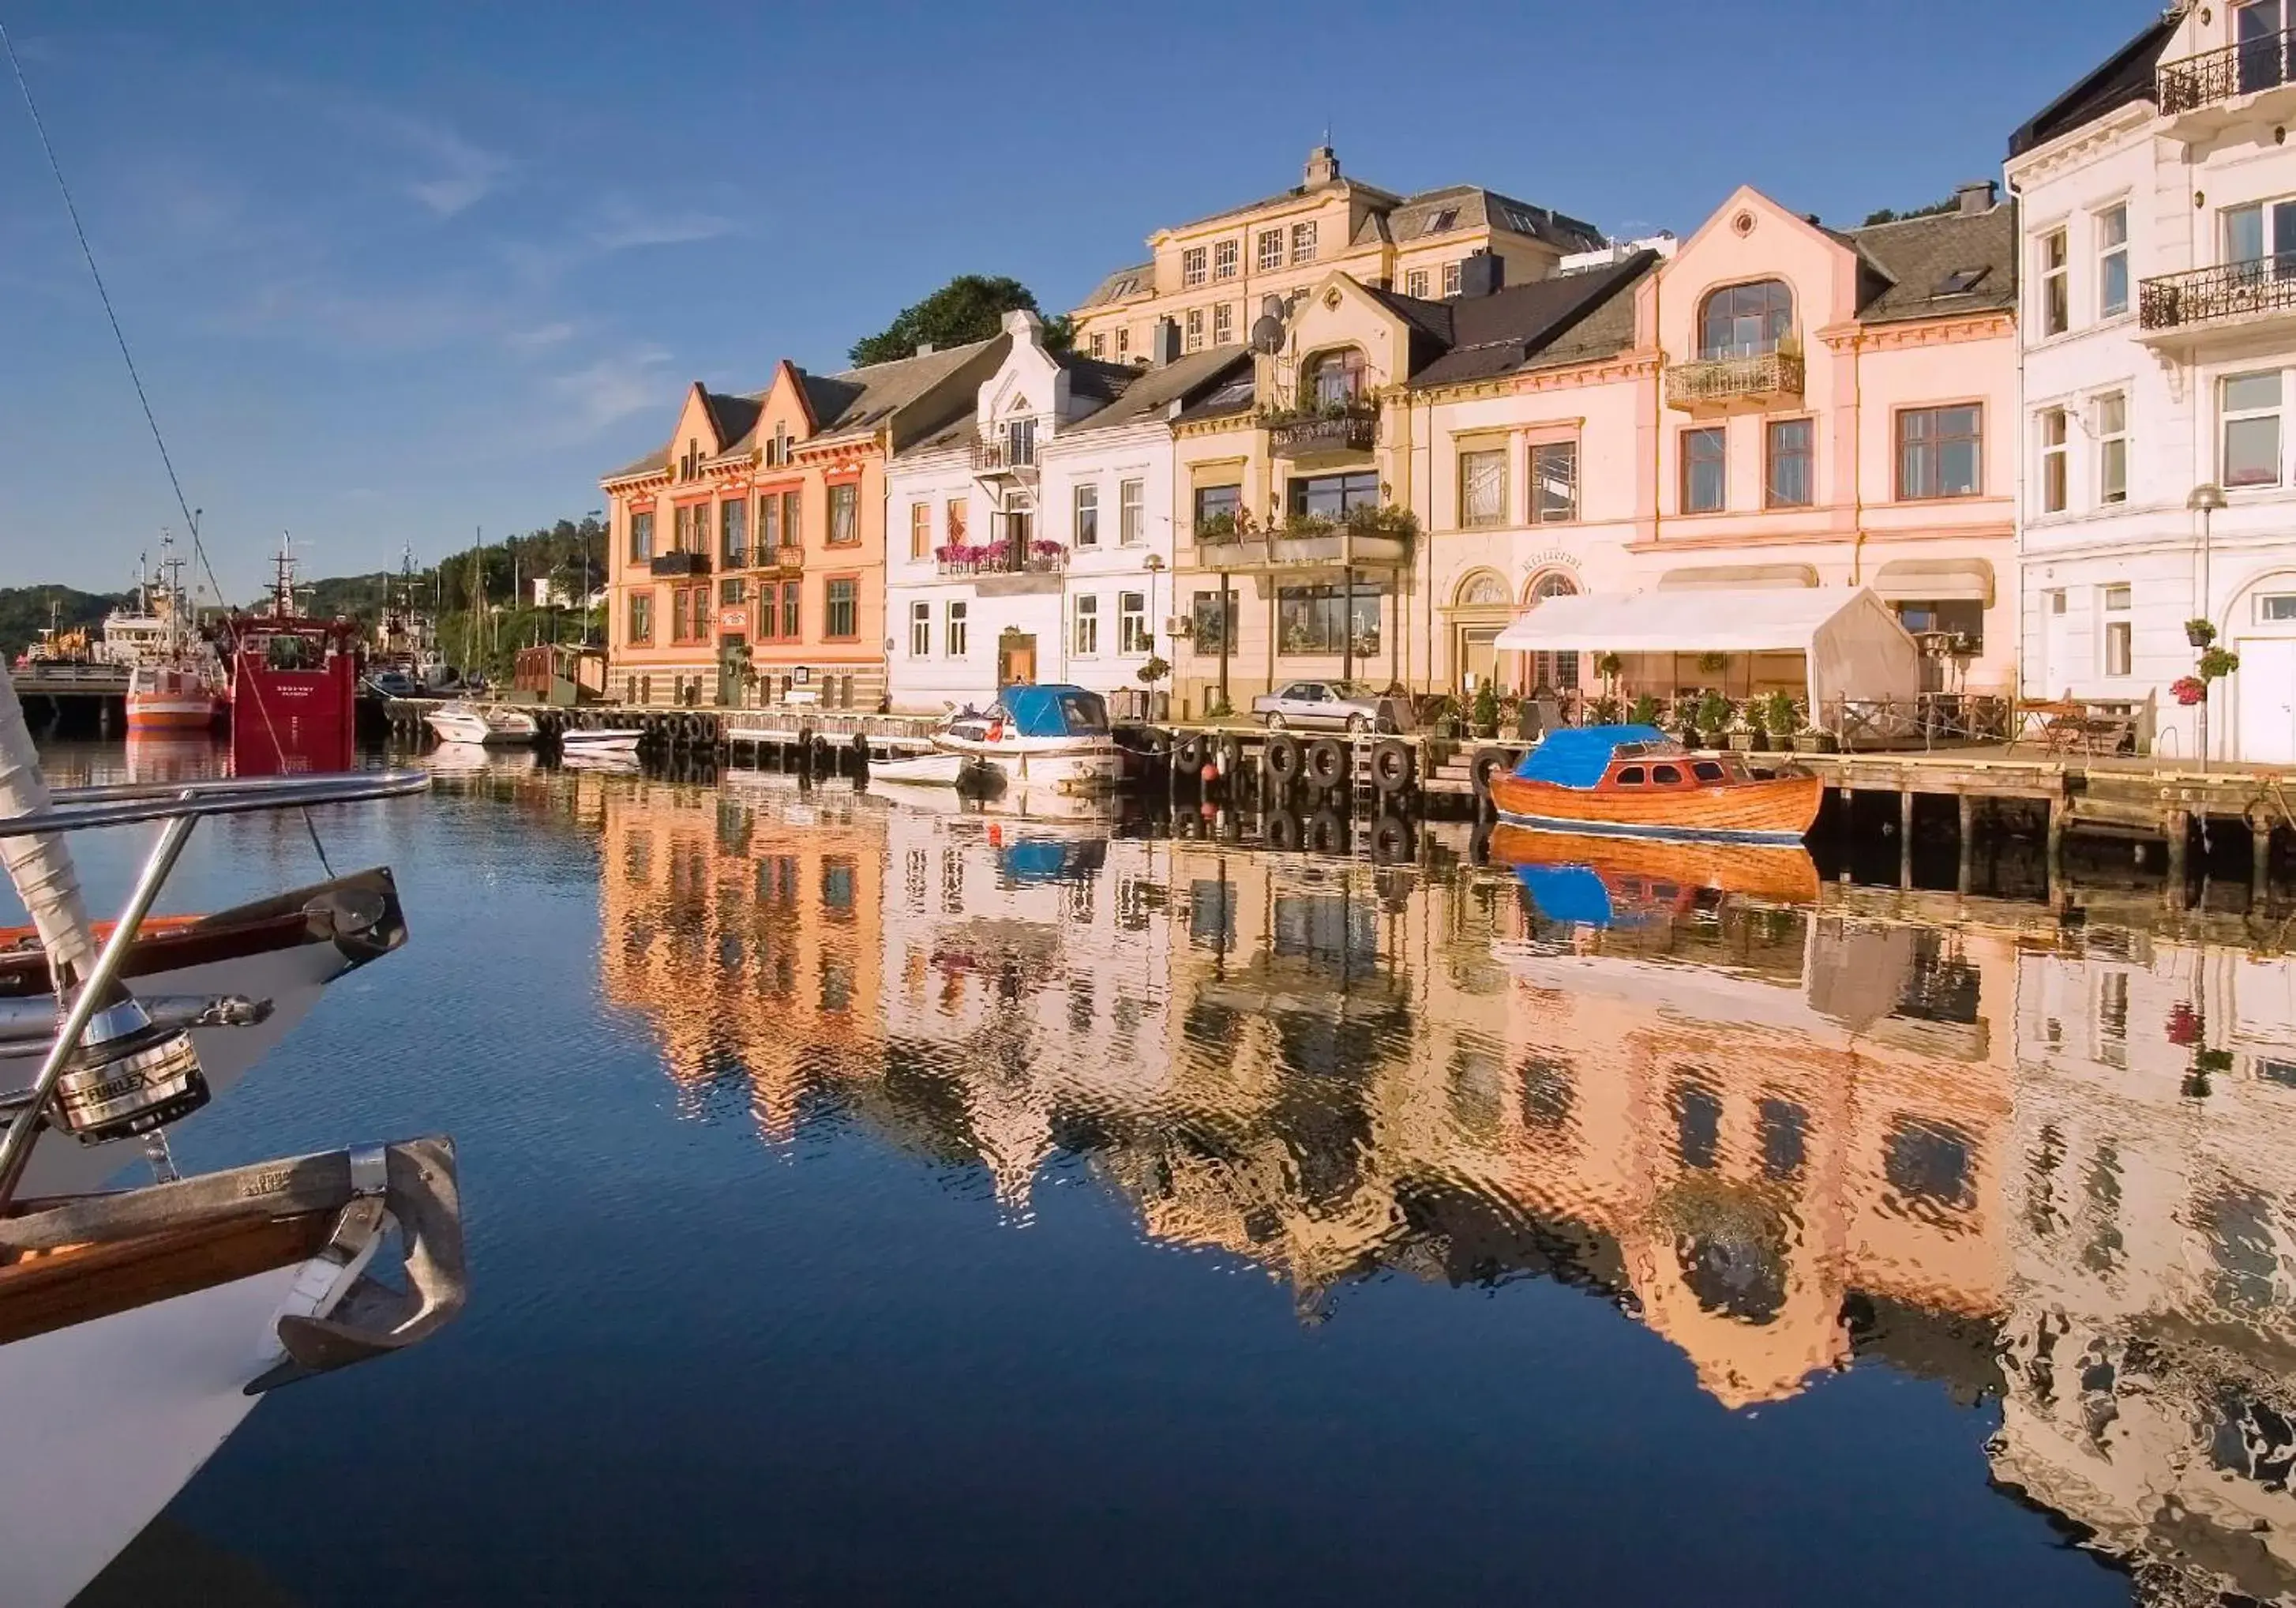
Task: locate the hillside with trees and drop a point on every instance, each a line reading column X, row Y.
column 25, row 611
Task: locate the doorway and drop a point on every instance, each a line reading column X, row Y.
column 1016, row 659
column 2058, row 671
column 1479, row 655
column 2265, row 691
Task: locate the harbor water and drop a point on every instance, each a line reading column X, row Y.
column 874, row 1201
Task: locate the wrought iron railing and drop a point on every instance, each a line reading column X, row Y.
column 680, row 563
column 1352, row 431
column 2215, row 76
column 2230, row 290
column 1003, row 558
column 1003, row 456
column 1715, row 380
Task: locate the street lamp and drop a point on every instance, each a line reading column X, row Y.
column 2207, row 498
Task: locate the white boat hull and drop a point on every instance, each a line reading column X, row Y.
column 1066, row 764
column 470, row 726
column 921, row 770
column 597, row 740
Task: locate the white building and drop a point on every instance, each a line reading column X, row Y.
column 1033, row 542
column 2159, row 353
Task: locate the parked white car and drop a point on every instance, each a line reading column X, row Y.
column 1347, row 706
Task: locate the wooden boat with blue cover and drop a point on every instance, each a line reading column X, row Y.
column 1636, row 781
column 1624, row 882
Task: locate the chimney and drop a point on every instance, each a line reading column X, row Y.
column 1976, row 199
column 1481, row 274
column 924, row 348
column 1322, row 167
column 1164, row 346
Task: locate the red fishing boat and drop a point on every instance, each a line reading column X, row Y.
column 294, row 686
column 1634, row 781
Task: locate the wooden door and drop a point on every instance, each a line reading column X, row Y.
column 1016, row 661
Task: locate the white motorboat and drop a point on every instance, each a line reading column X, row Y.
column 1054, row 738
column 598, row 739
column 492, row 725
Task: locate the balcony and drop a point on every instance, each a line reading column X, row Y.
column 1735, row 382
column 680, row 563
column 2204, row 95
column 788, row 560
column 1002, row 558
column 1008, row 458
column 1307, row 544
column 2187, row 311
column 1351, row 427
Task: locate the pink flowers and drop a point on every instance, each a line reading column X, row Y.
column 2189, row 690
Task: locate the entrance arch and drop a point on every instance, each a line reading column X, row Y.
column 1482, row 606
column 2260, row 625
column 1557, row 671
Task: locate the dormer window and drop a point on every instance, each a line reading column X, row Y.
column 690, row 464
column 1745, row 320
column 777, row 450
column 1335, row 379
column 1449, row 217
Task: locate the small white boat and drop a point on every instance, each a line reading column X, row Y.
column 492, row 725
column 1054, row 738
column 598, row 739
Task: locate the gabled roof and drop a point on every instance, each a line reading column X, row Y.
column 1139, row 280
column 1378, row 198
column 859, row 399
column 1477, row 206
column 2124, row 79
column 734, row 417
column 1094, row 381
column 1941, row 265
column 1479, row 336
column 654, row 463
column 1154, row 390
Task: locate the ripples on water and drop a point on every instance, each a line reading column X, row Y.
column 1824, row 1247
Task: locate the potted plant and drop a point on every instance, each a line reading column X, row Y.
column 2217, row 663
column 2200, row 633
column 1442, row 715
column 1644, row 711
column 1604, row 710
column 1486, row 716
column 1608, row 666
column 1814, row 739
column 1713, row 717
column 1713, row 664
column 1745, row 726
column 2188, row 690
column 1782, row 718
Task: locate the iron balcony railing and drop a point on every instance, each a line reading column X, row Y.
column 1356, row 431
column 1005, row 455
column 680, row 563
column 2231, row 290
column 1003, row 558
column 2215, row 76
column 1714, row 381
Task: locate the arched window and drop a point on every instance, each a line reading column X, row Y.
column 1552, row 583
column 1334, row 379
column 1484, row 590
column 1745, row 320
column 1556, row 672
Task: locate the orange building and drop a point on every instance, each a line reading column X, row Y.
column 747, row 555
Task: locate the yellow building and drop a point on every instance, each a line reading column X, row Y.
column 1211, row 277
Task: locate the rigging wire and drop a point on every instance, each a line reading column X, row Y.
column 135, row 378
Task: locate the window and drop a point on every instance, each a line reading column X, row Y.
column 952, row 630
column 641, row 536
column 2119, row 631
column 2251, row 428
column 1335, row 379
column 2112, row 447
column 1321, row 619
column 920, row 530
column 1087, row 516
column 2056, row 307
column 1214, row 628
column 1938, row 451
column 1132, row 633
column 1788, row 453
column 1332, row 497
column 1414, row 283
column 1707, row 770
column 920, row 630
column 2054, row 480
column 641, row 618
column 682, row 537
column 1482, row 487
column 1221, row 502
column 1087, row 626
column 1450, row 279
column 1945, row 617
column 689, row 614
column 1196, row 329
column 1099, row 343
column 1632, row 775
column 1123, row 343
column 1224, row 324
column 841, row 616
column 957, row 520
column 735, row 591
column 1554, row 482
column 1745, row 320
column 2275, row 607
column 2259, row 233
column 792, row 521
column 1271, row 250
column 789, row 609
column 769, row 525
column 1666, row 776
column 1303, row 243
column 1224, row 259
column 1191, row 266
column 1705, row 473
column 844, row 514
column 734, row 532
column 1130, row 517
column 777, row 450
column 2112, row 262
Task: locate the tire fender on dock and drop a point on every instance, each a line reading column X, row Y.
column 1327, row 832
column 1327, row 763
column 1394, row 766
column 1188, row 752
column 1281, row 757
column 1390, row 841
column 1280, row 831
column 1489, row 763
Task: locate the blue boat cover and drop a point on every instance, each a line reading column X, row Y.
column 1574, row 894
column 1577, row 757
column 1055, row 709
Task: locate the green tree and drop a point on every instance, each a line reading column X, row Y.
column 971, row 306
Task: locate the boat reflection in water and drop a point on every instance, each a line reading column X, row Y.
column 2044, row 1166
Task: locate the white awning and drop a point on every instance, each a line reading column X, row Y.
column 1736, row 576
column 1935, row 581
column 1855, row 647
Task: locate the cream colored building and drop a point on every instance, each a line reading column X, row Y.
column 1211, row 276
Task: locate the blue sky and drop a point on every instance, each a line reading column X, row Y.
column 396, row 272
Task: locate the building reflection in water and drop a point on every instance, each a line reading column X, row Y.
column 2050, row 1167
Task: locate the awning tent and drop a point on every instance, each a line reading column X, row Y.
column 1851, row 640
